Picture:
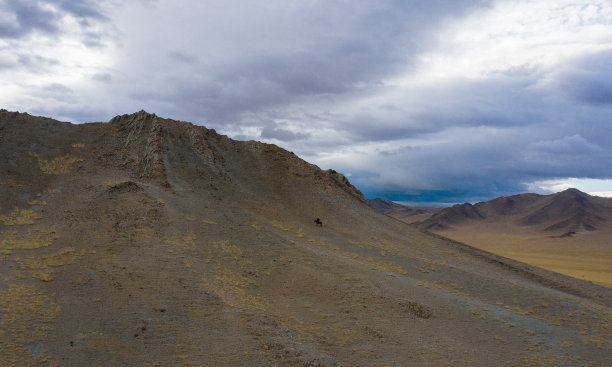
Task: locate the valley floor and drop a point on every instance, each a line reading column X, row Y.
column 586, row 255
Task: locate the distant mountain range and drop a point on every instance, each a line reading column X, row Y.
column 564, row 213
column 408, row 214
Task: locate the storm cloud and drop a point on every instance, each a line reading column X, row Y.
column 420, row 101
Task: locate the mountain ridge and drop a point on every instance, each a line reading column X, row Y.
column 567, row 211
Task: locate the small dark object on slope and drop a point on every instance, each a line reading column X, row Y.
column 318, row 222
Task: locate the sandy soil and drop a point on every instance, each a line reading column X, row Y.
column 586, row 255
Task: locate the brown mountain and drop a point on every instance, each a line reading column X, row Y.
column 146, row 241
column 404, row 213
column 563, row 213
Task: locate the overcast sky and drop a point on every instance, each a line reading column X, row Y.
column 437, row 101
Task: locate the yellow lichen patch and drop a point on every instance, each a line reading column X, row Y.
column 28, row 312
column 56, row 166
column 33, row 202
column 382, row 245
column 184, row 241
column 63, row 257
column 108, row 344
column 20, row 217
column 393, row 268
column 208, row 221
column 11, row 240
column 330, row 246
column 299, row 233
column 232, row 275
column 78, row 145
column 447, row 286
column 255, row 226
column 190, row 218
column 343, row 334
column 520, row 310
column 227, row 250
column 281, row 225
column 45, row 276
column 113, row 183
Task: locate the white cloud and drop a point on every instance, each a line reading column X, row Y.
column 516, row 38
column 598, row 187
column 604, row 194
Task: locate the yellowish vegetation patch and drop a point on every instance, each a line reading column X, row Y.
column 232, row 276
column 520, row 310
column 299, row 233
column 78, row 145
column 393, row 268
column 19, row 217
column 256, row 227
column 56, row 166
column 281, row 225
column 330, row 246
column 208, row 221
column 184, row 241
column 63, row 257
column 28, row 312
column 45, row 276
column 448, row 286
column 227, row 250
column 113, row 182
column 11, row 240
column 384, row 246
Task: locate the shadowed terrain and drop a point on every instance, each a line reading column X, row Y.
column 152, row 242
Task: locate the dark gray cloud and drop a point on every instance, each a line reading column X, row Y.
column 588, row 80
column 329, row 49
column 82, row 9
column 58, row 88
column 23, row 17
column 275, row 131
column 102, row 77
column 28, row 16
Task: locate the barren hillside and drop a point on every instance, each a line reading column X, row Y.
column 145, row 241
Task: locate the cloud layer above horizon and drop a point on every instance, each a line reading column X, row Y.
column 438, row 101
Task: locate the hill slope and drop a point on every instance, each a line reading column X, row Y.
column 148, row 241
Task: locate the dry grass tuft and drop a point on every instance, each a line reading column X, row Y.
column 417, row 309
column 11, row 240
column 19, row 217
column 56, row 166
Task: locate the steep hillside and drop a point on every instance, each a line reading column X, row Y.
column 152, row 242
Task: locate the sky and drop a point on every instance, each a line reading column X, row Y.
column 421, row 102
